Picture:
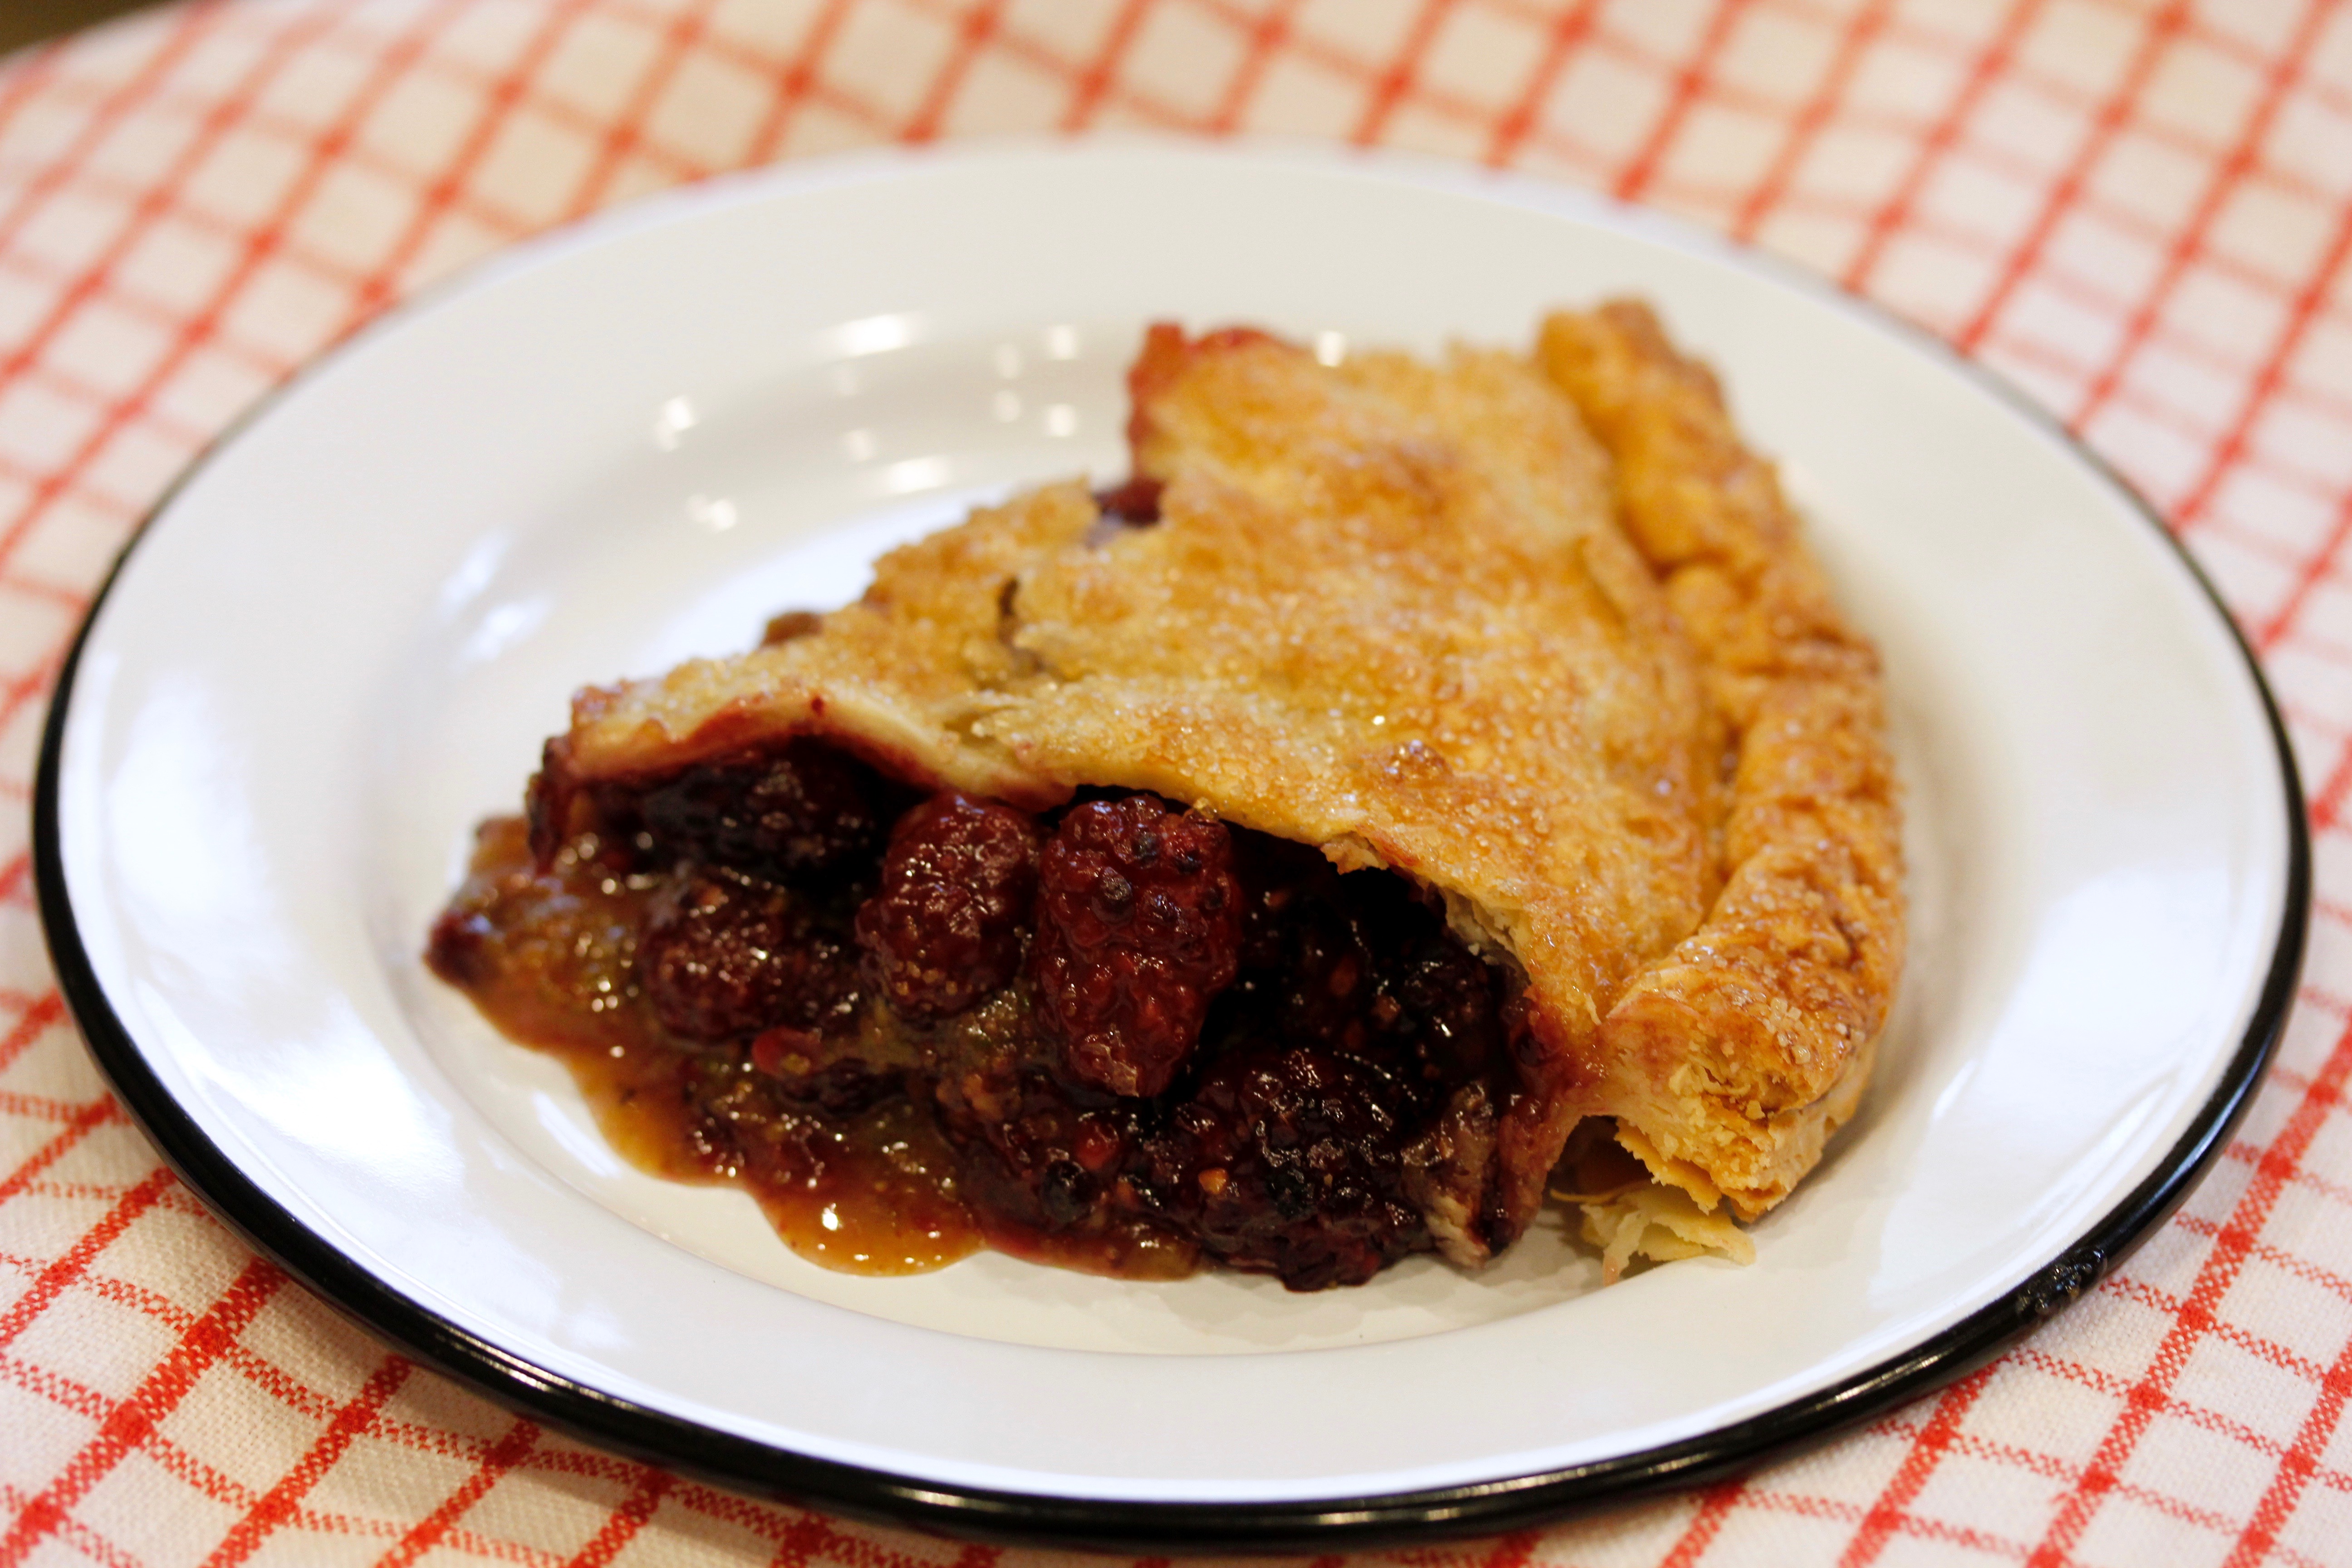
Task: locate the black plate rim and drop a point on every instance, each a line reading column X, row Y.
column 1146, row 1527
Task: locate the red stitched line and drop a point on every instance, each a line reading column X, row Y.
column 2295, row 559
column 561, row 111
column 62, row 1392
column 40, row 1108
column 2050, row 1467
column 2060, row 198
column 278, row 1505
column 803, row 1537
column 1016, row 45
column 2150, row 405
column 2021, row 72
column 2334, row 1192
column 193, row 102
column 133, row 1422
column 174, row 1201
column 2214, row 1277
column 1273, row 29
column 1394, row 80
column 1802, row 1505
column 2314, row 641
column 1688, row 83
column 1730, row 94
column 1714, row 1506
column 194, row 22
column 623, row 1524
column 1991, row 64
column 270, row 365
column 2236, row 47
column 501, row 99
column 162, row 192
column 625, row 134
column 2321, row 564
column 2025, row 73
column 733, row 51
column 1982, row 1543
column 1806, row 129
column 2341, row 913
column 184, row 215
column 979, row 24
column 64, row 1272
column 1889, row 1511
column 758, row 1518
column 258, row 246
column 440, row 1442
column 212, row 1483
column 2282, row 72
column 2233, row 444
column 1095, row 79
column 832, row 95
column 1548, row 140
column 2118, row 1388
column 1478, row 113
column 2329, row 801
column 66, row 383
column 153, row 1304
column 2090, row 203
column 1566, row 34
column 1339, row 61
column 509, row 1451
column 19, row 690
column 2130, row 1287
column 79, row 1535
column 98, row 1409
column 19, row 895
column 793, row 85
column 62, row 597
column 34, row 1022
column 155, row 314
column 590, row 123
column 31, row 75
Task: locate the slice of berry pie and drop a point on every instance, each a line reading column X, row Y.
column 1420, row 788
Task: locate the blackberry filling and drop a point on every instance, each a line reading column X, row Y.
column 1116, row 1035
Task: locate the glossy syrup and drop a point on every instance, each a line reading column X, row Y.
column 548, row 958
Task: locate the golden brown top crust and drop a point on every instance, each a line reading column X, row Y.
column 1735, row 1055
column 1389, row 609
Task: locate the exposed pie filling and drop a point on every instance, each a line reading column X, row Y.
column 1116, row 1035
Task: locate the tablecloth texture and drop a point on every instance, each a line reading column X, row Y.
column 2139, row 212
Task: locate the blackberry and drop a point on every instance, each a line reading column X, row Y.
column 1138, row 928
column 945, row 927
column 724, row 955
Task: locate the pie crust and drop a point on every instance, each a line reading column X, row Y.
column 1537, row 632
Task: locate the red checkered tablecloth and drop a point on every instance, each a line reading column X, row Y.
column 2139, row 212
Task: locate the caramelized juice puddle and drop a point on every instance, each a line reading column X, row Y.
column 548, row 958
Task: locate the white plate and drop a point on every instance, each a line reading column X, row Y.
column 340, row 643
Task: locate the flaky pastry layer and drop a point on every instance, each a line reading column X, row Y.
column 1732, row 1058
column 1535, row 632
